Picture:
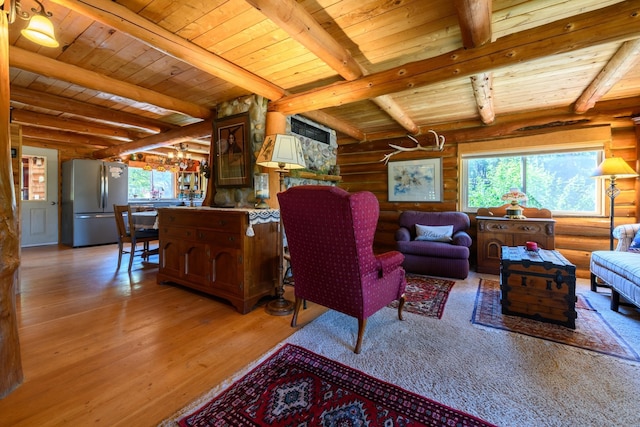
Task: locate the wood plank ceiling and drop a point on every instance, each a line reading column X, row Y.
column 134, row 75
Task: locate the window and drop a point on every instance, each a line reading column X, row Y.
column 150, row 184
column 560, row 182
column 34, row 177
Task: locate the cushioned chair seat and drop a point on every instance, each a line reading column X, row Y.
column 433, row 249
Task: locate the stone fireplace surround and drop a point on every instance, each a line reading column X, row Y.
column 319, row 157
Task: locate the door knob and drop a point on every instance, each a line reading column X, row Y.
column 53, row 203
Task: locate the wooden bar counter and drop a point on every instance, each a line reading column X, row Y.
column 225, row 252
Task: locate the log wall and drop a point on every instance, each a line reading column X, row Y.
column 361, row 169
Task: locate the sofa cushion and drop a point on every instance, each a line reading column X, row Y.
column 635, row 243
column 434, row 233
column 623, row 264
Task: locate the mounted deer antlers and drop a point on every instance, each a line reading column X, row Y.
column 439, row 141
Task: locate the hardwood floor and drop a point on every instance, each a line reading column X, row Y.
column 114, row 349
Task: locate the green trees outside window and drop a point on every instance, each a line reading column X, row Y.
column 150, row 184
column 560, row 182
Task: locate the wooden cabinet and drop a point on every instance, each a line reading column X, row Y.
column 209, row 249
column 495, row 232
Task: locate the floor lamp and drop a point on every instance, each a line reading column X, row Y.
column 613, row 168
column 283, row 152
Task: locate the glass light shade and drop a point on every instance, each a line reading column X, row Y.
column 281, row 151
column 261, row 189
column 261, row 183
column 614, row 167
column 40, row 30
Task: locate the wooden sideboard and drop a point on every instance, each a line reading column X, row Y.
column 212, row 250
column 494, row 231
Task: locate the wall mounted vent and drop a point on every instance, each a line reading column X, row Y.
column 307, row 130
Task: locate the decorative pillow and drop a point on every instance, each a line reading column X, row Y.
column 635, row 244
column 434, row 233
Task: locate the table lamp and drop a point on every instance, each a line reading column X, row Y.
column 515, row 197
column 283, row 152
column 613, row 168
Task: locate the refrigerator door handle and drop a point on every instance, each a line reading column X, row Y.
column 104, row 191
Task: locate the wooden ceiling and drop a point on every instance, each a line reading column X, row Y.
column 133, row 75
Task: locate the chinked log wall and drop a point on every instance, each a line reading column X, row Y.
column 576, row 237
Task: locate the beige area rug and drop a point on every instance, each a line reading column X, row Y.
column 592, row 331
column 504, row 378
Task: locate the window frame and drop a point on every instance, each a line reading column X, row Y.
column 168, row 195
column 577, row 140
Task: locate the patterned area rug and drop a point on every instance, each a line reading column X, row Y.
column 592, row 331
column 295, row 387
column 425, row 295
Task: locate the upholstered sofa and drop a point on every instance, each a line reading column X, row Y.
column 445, row 257
column 619, row 269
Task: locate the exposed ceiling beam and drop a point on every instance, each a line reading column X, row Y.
column 175, row 136
column 614, row 23
column 48, row 121
column 482, row 85
column 605, row 113
column 338, row 125
column 620, row 63
column 48, row 67
column 301, row 26
column 123, row 19
column 67, row 137
column 156, row 37
column 83, row 109
column 474, row 17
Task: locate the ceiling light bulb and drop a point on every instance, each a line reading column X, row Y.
column 40, row 30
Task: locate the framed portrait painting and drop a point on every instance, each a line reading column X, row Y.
column 231, row 144
column 415, row 180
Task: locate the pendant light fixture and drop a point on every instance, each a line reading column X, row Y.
column 40, row 28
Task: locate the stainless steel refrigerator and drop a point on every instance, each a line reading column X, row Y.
column 90, row 188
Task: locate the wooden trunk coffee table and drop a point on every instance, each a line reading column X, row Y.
column 539, row 285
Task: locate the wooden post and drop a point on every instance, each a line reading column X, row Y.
column 10, row 363
column 636, row 166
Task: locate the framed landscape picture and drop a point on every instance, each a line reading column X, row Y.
column 415, row 180
column 232, row 151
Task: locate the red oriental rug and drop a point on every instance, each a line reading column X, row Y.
column 425, row 295
column 295, row 387
column 592, row 331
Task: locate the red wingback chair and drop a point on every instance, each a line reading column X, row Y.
column 330, row 238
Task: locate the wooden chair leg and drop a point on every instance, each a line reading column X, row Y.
column 362, row 325
column 296, row 309
column 401, row 306
column 120, row 247
column 131, row 255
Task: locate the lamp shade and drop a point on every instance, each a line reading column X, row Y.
column 281, row 151
column 614, row 167
column 40, row 30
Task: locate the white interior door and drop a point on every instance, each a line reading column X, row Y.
column 39, row 196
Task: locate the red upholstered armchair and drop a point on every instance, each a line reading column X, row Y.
column 330, row 237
